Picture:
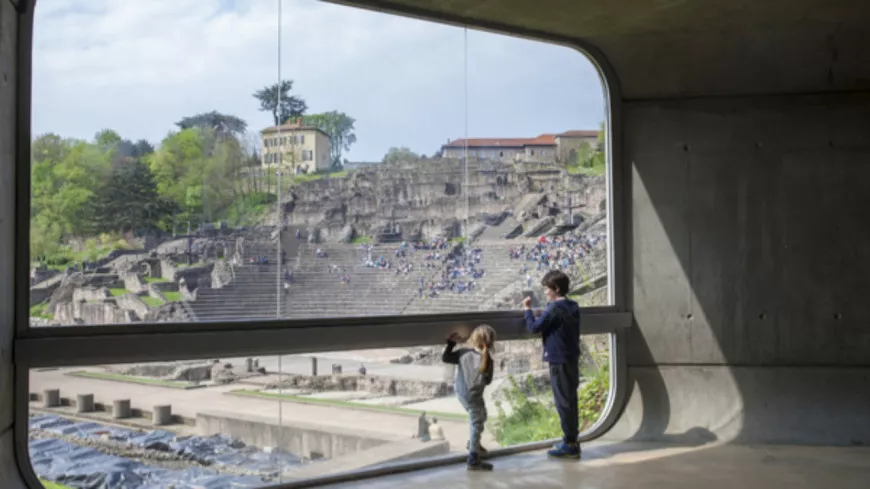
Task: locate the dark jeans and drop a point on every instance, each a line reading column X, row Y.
column 565, row 379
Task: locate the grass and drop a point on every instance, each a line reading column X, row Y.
column 362, row 240
column 156, row 280
column 310, row 177
column 47, row 484
column 172, row 296
column 131, row 379
column 118, row 292
column 66, row 257
column 347, row 404
column 151, row 301
column 40, row 311
column 592, row 171
column 457, row 240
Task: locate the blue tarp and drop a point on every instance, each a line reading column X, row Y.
column 88, row 468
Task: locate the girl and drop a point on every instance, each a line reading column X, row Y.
column 474, row 373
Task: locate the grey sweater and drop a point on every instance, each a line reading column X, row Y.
column 469, row 381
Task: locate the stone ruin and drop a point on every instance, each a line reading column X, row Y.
column 427, row 199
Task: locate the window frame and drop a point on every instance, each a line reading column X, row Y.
column 79, row 345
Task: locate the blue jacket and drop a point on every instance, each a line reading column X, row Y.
column 559, row 325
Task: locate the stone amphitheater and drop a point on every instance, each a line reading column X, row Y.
column 360, row 245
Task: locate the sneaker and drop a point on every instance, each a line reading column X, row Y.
column 479, row 466
column 565, row 450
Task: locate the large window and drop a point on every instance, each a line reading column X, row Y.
column 174, row 181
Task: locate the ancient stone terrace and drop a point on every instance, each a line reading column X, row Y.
column 317, row 289
column 252, row 293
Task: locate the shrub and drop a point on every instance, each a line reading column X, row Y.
column 533, row 415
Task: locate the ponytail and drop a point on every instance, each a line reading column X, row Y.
column 483, row 337
column 484, row 360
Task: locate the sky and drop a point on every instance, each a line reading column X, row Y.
column 139, row 66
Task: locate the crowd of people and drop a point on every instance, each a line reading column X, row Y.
column 459, row 275
column 555, row 252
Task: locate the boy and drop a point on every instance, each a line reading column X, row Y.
column 559, row 325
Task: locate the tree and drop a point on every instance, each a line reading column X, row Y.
column 221, row 124
column 107, row 138
column 277, row 100
column 339, row 127
column 395, row 155
column 127, row 200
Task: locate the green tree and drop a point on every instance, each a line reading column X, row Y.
column 127, row 200
column 221, row 124
column 339, row 127
column 276, row 99
column 395, row 155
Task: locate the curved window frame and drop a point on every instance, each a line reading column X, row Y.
column 77, row 345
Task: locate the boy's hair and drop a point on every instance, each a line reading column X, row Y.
column 483, row 337
column 557, row 281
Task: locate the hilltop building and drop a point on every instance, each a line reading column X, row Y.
column 305, row 149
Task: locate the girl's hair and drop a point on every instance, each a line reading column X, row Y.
column 483, row 337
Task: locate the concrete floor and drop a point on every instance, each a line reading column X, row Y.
column 647, row 466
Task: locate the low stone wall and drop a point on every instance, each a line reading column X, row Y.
column 193, row 371
column 134, row 304
column 105, row 312
column 312, row 441
column 368, row 383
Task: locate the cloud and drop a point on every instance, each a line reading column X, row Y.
column 138, row 67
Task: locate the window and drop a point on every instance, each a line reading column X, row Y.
column 191, row 243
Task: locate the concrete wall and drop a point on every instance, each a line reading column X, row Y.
column 749, row 269
column 307, row 440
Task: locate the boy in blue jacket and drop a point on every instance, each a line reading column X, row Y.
column 559, row 325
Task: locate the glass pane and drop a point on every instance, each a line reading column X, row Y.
column 250, row 422
column 187, row 168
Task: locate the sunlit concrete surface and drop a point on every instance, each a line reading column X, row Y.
column 655, row 466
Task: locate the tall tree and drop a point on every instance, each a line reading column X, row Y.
column 277, row 100
column 339, row 127
column 221, row 124
column 127, row 200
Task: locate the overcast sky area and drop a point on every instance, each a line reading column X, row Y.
column 139, row 66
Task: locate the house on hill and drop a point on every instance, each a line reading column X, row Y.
column 546, row 147
column 300, row 148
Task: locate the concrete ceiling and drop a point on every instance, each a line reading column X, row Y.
column 678, row 48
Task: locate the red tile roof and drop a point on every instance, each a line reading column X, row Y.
column 542, row 140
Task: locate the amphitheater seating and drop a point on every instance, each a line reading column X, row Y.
column 317, row 290
column 253, row 293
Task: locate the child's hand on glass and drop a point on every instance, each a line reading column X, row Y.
column 455, row 338
column 527, row 303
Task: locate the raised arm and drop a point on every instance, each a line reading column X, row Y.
column 449, row 355
column 541, row 324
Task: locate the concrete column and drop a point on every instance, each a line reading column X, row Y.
column 51, row 398
column 161, row 415
column 121, row 409
column 85, row 403
column 249, row 364
column 314, row 366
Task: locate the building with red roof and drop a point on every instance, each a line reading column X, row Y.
column 543, row 148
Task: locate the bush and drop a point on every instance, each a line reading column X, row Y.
column 533, row 415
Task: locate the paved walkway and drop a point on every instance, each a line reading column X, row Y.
column 188, row 402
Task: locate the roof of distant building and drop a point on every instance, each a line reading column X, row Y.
column 293, row 126
column 542, row 140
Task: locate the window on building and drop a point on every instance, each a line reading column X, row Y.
column 337, row 254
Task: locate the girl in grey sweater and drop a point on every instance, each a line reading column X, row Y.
column 474, row 373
